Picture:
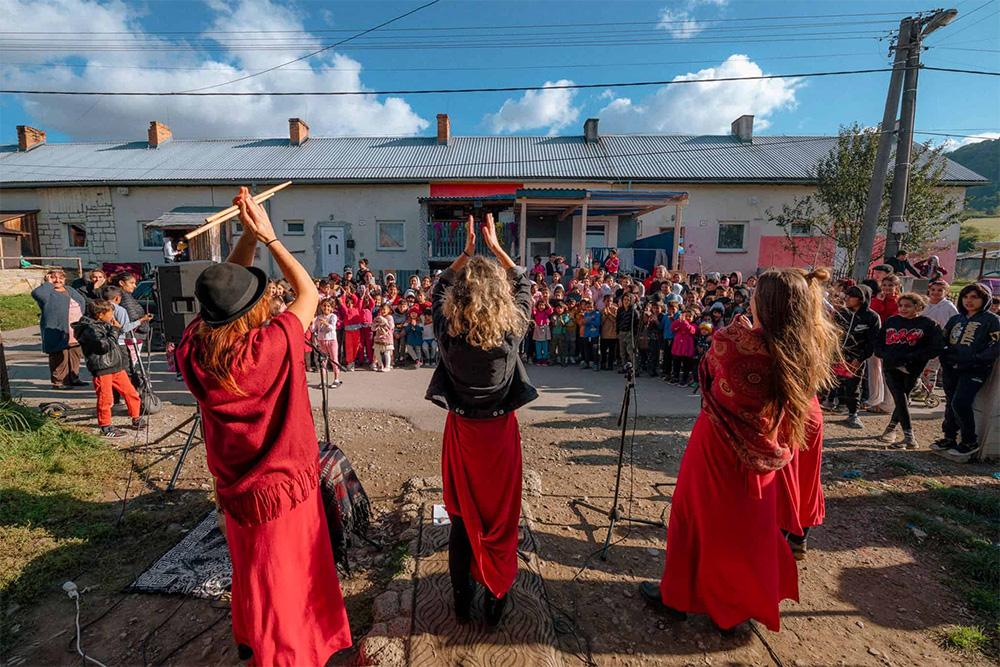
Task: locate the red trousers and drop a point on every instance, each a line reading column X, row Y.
column 352, row 345
column 367, row 351
column 105, row 386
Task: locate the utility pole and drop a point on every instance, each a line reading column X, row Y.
column 905, row 68
column 873, row 205
column 904, row 146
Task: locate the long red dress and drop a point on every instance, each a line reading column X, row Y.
column 286, row 601
column 726, row 556
column 481, row 469
column 801, row 503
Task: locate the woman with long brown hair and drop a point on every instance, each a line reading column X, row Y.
column 247, row 371
column 480, row 310
column 726, row 556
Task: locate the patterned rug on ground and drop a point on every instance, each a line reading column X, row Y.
column 525, row 637
column 198, row 565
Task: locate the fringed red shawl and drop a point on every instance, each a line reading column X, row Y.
column 737, row 381
column 261, row 447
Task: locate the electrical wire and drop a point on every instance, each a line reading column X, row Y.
column 317, row 52
column 79, row 645
column 950, row 35
column 740, row 20
column 492, row 89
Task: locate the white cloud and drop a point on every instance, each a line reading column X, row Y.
column 680, row 22
column 195, row 117
column 551, row 108
column 951, row 144
column 704, row 108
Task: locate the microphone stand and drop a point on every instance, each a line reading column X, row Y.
column 324, row 388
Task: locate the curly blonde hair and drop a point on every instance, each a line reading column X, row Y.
column 802, row 339
column 480, row 305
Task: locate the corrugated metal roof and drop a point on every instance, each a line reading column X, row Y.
column 651, row 158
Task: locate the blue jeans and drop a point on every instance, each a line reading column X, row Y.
column 541, row 350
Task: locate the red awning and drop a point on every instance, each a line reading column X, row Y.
column 465, row 190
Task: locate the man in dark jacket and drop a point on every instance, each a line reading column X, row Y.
column 106, row 362
column 972, row 343
column 860, row 327
column 126, row 282
column 900, row 265
column 61, row 305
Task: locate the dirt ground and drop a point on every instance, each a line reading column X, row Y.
column 873, row 592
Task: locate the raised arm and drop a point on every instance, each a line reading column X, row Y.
column 470, row 245
column 258, row 224
column 246, row 246
column 490, row 238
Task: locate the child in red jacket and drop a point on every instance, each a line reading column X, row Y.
column 682, row 349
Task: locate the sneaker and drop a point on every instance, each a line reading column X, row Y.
column 139, row 423
column 584, row 364
column 943, row 444
column 853, row 421
column 963, row 452
column 650, row 592
column 828, row 406
column 908, row 441
column 112, row 432
column 888, row 435
column 798, row 549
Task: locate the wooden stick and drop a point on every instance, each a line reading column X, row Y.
column 218, row 218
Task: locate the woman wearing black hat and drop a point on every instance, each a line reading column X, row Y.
column 246, row 370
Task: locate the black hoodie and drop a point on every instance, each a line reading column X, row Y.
column 972, row 342
column 909, row 343
column 99, row 344
column 860, row 327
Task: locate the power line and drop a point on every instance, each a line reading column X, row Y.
column 455, row 69
column 318, row 51
column 493, row 89
column 741, row 20
column 950, row 34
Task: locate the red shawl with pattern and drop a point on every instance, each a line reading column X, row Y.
column 736, row 377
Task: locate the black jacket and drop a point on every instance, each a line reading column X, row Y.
column 900, row 266
column 909, row 343
column 971, row 343
column 860, row 328
column 627, row 320
column 135, row 312
column 99, row 344
column 477, row 383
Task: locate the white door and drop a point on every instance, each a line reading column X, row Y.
column 333, row 250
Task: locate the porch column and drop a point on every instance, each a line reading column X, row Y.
column 522, row 232
column 677, row 235
column 583, row 236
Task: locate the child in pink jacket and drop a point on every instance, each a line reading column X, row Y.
column 682, row 349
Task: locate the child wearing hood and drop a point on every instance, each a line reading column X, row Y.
column 859, row 326
column 972, row 343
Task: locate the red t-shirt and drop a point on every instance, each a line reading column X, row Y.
column 262, row 447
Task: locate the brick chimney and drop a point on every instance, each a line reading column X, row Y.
column 29, row 137
column 298, row 131
column 444, row 129
column 158, row 133
column 742, row 128
column 590, row 134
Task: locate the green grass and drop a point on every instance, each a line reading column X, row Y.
column 961, row 524
column 969, row 639
column 59, row 508
column 17, row 311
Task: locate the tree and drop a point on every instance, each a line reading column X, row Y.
column 836, row 210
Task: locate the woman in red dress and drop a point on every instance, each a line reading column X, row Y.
column 726, row 556
column 247, row 372
column 480, row 312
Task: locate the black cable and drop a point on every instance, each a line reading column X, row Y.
column 145, row 641
column 310, row 55
column 951, row 35
column 188, row 640
column 491, row 89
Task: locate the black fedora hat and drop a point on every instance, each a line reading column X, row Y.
column 226, row 291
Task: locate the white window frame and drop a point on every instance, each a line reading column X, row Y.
column 540, row 239
column 289, row 232
column 378, row 235
column 718, row 231
column 607, row 232
column 142, row 236
column 86, row 235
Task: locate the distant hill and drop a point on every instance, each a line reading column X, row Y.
column 984, row 159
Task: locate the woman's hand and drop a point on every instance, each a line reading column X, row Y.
column 470, row 236
column 253, row 216
column 490, row 234
column 744, row 321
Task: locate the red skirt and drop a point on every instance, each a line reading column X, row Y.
column 481, row 469
column 800, row 501
column 287, row 605
column 726, row 556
